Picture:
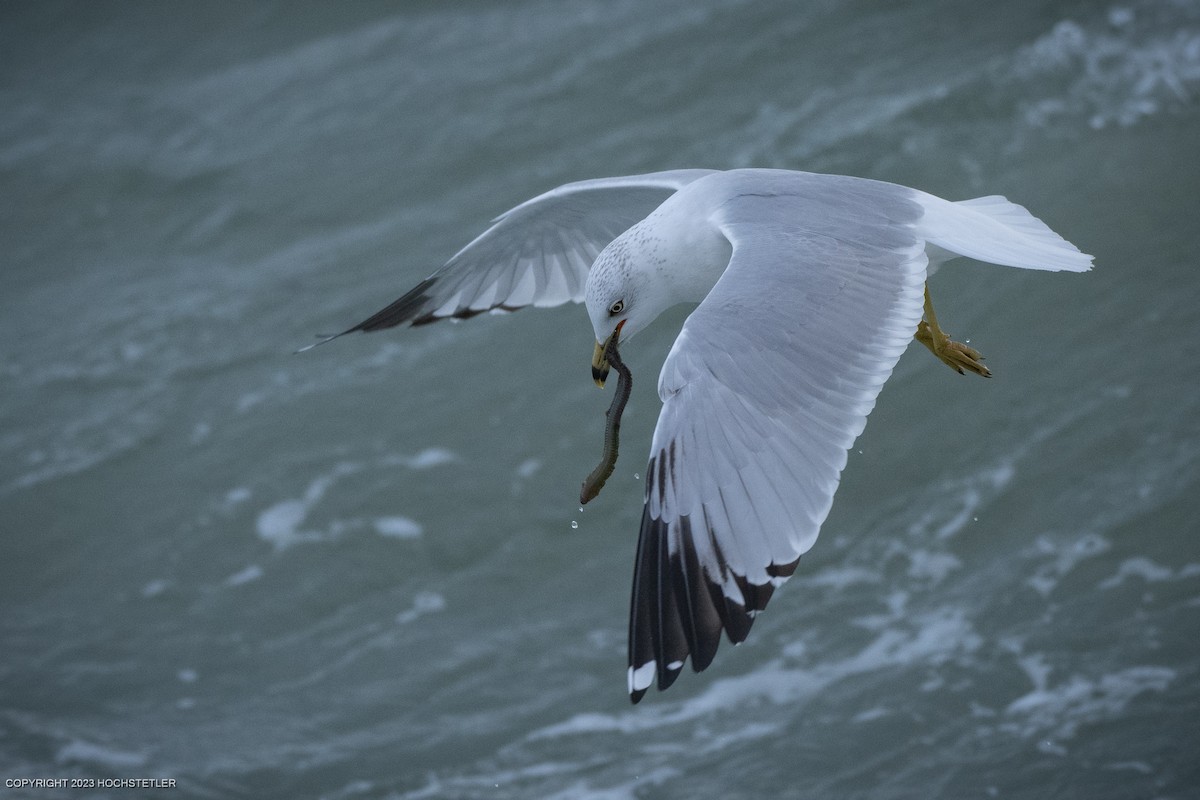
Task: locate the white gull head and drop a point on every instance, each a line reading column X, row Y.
column 673, row 256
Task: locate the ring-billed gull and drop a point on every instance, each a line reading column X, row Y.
column 809, row 288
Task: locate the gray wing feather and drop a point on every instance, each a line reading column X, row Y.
column 764, row 391
column 537, row 253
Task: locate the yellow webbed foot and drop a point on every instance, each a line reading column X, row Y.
column 959, row 357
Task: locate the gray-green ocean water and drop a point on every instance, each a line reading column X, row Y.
column 362, row 572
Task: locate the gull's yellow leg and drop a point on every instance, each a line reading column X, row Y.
column 957, row 356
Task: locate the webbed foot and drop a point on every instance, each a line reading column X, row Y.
column 956, row 355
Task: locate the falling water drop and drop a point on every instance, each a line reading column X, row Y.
column 574, row 524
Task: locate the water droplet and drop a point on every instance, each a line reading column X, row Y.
column 581, row 509
column 637, row 477
column 574, row 524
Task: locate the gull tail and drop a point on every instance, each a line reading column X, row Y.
column 997, row 231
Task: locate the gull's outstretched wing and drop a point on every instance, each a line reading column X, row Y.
column 538, row 253
column 764, row 391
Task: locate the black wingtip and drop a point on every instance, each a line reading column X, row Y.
column 403, row 309
column 667, row 676
column 783, row 570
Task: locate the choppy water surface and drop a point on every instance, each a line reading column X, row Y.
column 362, row 572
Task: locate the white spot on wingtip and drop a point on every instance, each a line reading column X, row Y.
column 642, row 677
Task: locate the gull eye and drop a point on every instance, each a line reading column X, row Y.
column 616, row 308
